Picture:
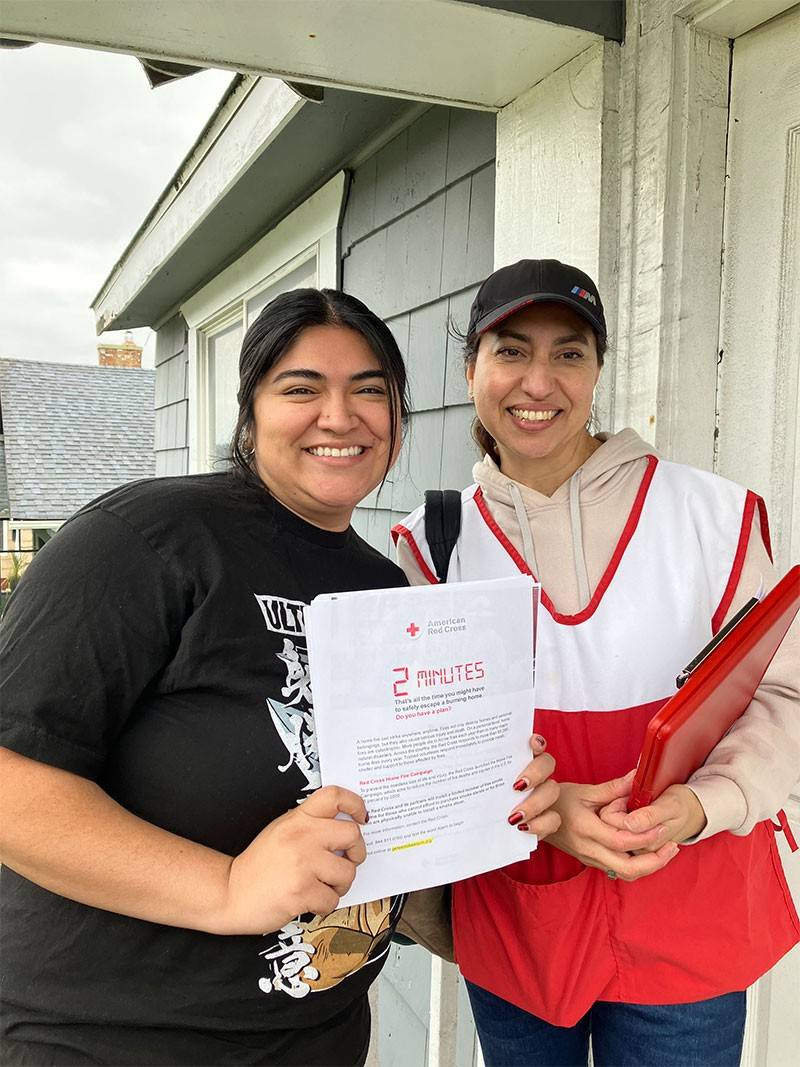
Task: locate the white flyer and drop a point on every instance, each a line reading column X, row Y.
column 423, row 704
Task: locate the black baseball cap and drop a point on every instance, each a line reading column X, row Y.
column 534, row 281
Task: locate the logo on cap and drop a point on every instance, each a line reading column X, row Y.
column 584, row 294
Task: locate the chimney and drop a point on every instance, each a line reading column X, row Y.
column 128, row 354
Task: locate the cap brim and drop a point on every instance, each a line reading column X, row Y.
column 500, row 314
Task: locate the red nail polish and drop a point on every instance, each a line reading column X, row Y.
column 366, row 817
column 523, row 826
column 516, row 817
column 521, row 785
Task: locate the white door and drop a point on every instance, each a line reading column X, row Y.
column 758, row 443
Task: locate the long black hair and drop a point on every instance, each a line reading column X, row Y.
column 280, row 324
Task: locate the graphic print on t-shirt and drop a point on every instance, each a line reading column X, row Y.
column 294, row 721
column 313, row 953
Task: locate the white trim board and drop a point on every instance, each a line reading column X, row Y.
column 35, row 524
column 732, row 18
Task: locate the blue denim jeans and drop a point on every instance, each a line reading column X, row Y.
column 708, row 1033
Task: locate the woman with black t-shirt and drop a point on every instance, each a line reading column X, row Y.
column 166, row 898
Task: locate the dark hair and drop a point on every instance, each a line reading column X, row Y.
column 470, row 342
column 280, row 324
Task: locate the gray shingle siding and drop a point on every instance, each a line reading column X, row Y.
column 172, row 398
column 417, row 240
column 71, row 433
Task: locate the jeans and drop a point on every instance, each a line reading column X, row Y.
column 708, row 1033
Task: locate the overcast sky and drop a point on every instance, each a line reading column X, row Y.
column 86, row 148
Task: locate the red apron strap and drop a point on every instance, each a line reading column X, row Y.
column 783, row 824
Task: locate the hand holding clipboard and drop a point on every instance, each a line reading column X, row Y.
column 715, row 689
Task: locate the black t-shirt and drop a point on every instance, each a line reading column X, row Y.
column 156, row 646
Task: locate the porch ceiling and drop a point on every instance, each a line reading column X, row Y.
column 434, row 50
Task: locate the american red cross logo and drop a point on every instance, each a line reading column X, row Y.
column 412, row 630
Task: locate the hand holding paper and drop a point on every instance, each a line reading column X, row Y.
column 534, row 813
column 303, row 861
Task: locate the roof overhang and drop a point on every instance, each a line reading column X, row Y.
column 263, row 153
column 270, row 145
column 443, row 51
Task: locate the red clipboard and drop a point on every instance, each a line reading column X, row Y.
column 717, row 691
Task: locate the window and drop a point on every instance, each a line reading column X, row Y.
column 301, row 277
column 40, row 538
column 222, row 363
column 301, row 251
column 222, row 342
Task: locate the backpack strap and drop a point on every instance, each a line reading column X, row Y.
column 442, row 526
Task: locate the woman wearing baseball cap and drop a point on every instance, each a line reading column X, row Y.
column 639, row 930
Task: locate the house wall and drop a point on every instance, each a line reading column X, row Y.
column 558, row 182
column 417, row 239
column 172, row 403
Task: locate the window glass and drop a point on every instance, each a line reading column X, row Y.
column 223, row 382
column 302, row 277
column 222, row 362
column 40, row 538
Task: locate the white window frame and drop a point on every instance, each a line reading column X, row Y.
column 35, row 524
column 309, row 232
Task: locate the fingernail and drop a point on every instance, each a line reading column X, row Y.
column 366, row 816
column 515, row 817
column 523, row 826
column 540, row 739
column 521, row 785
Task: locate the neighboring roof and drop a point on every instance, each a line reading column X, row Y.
column 73, row 432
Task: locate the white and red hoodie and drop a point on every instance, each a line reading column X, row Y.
column 640, row 561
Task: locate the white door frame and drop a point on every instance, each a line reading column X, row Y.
column 673, row 148
column 697, row 148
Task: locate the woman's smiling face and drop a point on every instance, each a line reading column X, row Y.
column 322, row 430
column 533, row 381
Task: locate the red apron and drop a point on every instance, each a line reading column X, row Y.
column 549, row 934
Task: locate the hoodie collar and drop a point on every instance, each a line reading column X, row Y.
column 589, row 480
column 616, row 450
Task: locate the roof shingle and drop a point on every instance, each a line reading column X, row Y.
column 73, row 432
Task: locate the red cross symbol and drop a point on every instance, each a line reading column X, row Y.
column 413, row 629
